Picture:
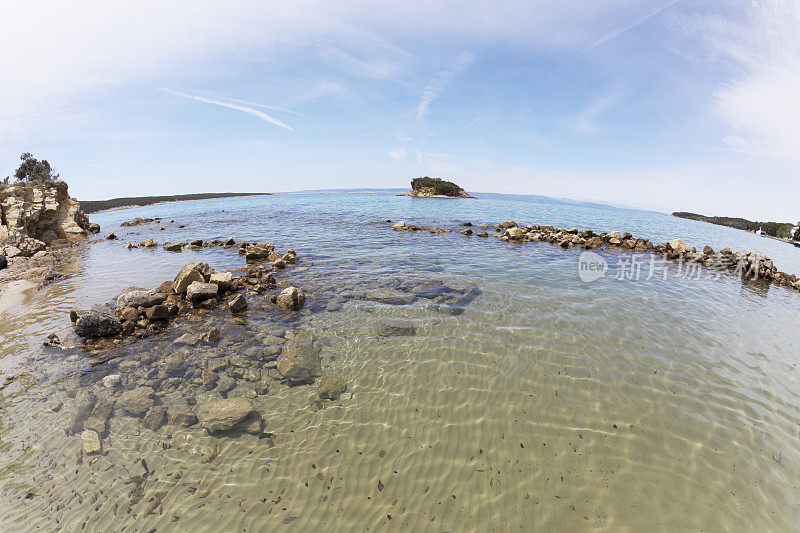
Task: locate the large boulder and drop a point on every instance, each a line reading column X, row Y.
column 141, row 298
column 291, row 298
column 221, row 279
column 188, row 275
column 199, row 291
column 99, row 321
column 222, row 415
column 300, row 360
column 514, row 233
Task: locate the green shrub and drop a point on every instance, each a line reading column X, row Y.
column 445, row 188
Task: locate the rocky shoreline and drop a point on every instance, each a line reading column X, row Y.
column 752, row 264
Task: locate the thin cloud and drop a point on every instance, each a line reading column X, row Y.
column 439, row 82
column 619, row 31
column 249, row 110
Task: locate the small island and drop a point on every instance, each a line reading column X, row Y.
column 435, row 188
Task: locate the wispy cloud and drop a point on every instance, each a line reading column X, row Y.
column 398, row 155
column 619, row 31
column 230, row 105
column 442, row 79
column 585, row 122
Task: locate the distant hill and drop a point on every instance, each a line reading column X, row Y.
column 776, row 229
column 93, row 206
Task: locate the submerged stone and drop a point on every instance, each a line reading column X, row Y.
column 222, row 415
column 332, row 386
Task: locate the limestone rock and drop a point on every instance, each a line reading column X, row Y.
column 141, row 298
column 155, row 417
column 222, row 415
column 332, row 386
column 199, row 291
column 188, row 275
column 136, row 401
column 91, row 442
column 291, row 298
column 299, row 359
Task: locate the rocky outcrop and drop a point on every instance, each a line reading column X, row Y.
column 43, row 213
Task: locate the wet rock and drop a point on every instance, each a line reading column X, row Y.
column 291, row 298
column 84, row 403
column 466, row 231
column 199, row 291
column 141, row 298
column 399, row 225
column 128, row 314
column 506, row 225
column 97, row 322
column 225, row 384
column 149, row 243
column 186, row 339
column 157, row 312
column 155, row 417
column 677, row 246
column 111, row 236
column 210, row 378
column 482, row 234
column 52, row 341
column 299, row 359
column 332, row 386
column 181, row 415
column 391, row 296
column 188, row 275
column 112, row 380
column 212, row 335
column 136, row 402
column 708, row 250
column 237, row 304
column 222, row 415
column 262, row 387
column 252, row 424
column 91, row 442
column 396, row 328
column 515, row 233
column 173, row 247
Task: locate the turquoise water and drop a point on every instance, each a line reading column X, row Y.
column 545, row 402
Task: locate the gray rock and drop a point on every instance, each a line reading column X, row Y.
column 199, row 291
column 221, row 279
column 84, row 403
column 112, row 380
column 300, row 360
column 97, row 322
column 141, row 298
column 157, row 312
column 291, row 298
column 514, row 233
column 173, row 247
column 225, row 384
column 332, row 386
column 154, row 418
column 238, row 304
column 181, row 415
column 91, row 442
column 137, row 401
column 222, row 415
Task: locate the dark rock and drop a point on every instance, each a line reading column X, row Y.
column 3, row 262
column 157, row 312
column 97, row 322
column 155, row 417
column 238, row 304
column 506, row 225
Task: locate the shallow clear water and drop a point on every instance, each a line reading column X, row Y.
column 545, row 402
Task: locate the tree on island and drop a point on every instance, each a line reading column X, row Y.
column 797, row 233
column 32, row 170
column 445, row 188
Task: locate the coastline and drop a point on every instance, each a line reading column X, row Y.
column 176, row 202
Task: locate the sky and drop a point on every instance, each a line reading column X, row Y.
column 672, row 105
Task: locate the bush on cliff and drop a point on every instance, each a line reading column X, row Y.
column 32, row 170
column 446, row 188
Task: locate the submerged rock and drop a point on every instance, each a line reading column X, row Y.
column 137, row 401
column 332, row 386
column 99, row 321
column 181, row 415
column 91, row 442
column 155, row 417
column 299, row 359
column 222, row 415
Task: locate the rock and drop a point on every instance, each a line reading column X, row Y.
column 98, row 322
column 230, row 241
column 91, row 442
column 482, row 234
column 291, row 298
column 137, row 401
column 238, row 304
column 677, row 246
column 222, row 415
column 514, row 233
column 299, row 359
column 187, row 339
column 399, row 225
column 279, row 264
column 141, row 298
column 128, row 314
column 111, row 236
column 726, row 251
column 396, row 328
column 614, row 235
column 332, row 386
column 52, row 341
column 112, row 380
column 506, row 225
column 149, row 243
column 221, row 279
column 212, row 335
column 708, row 250
column 173, row 247
column 197, row 242
column 155, row 417
column 188, row 275
column 225, row 384
column 84, row 403
column 40, row 212
column 466, row 231
column 181, row 415
column 157, row 312
column 199, row 291
column 3, row 262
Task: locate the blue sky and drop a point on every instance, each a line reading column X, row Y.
column 668, row 105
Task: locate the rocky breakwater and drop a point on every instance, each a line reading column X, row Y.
column 746, row 264
column 37, row 223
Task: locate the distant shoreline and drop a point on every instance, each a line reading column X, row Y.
column 115, row 204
